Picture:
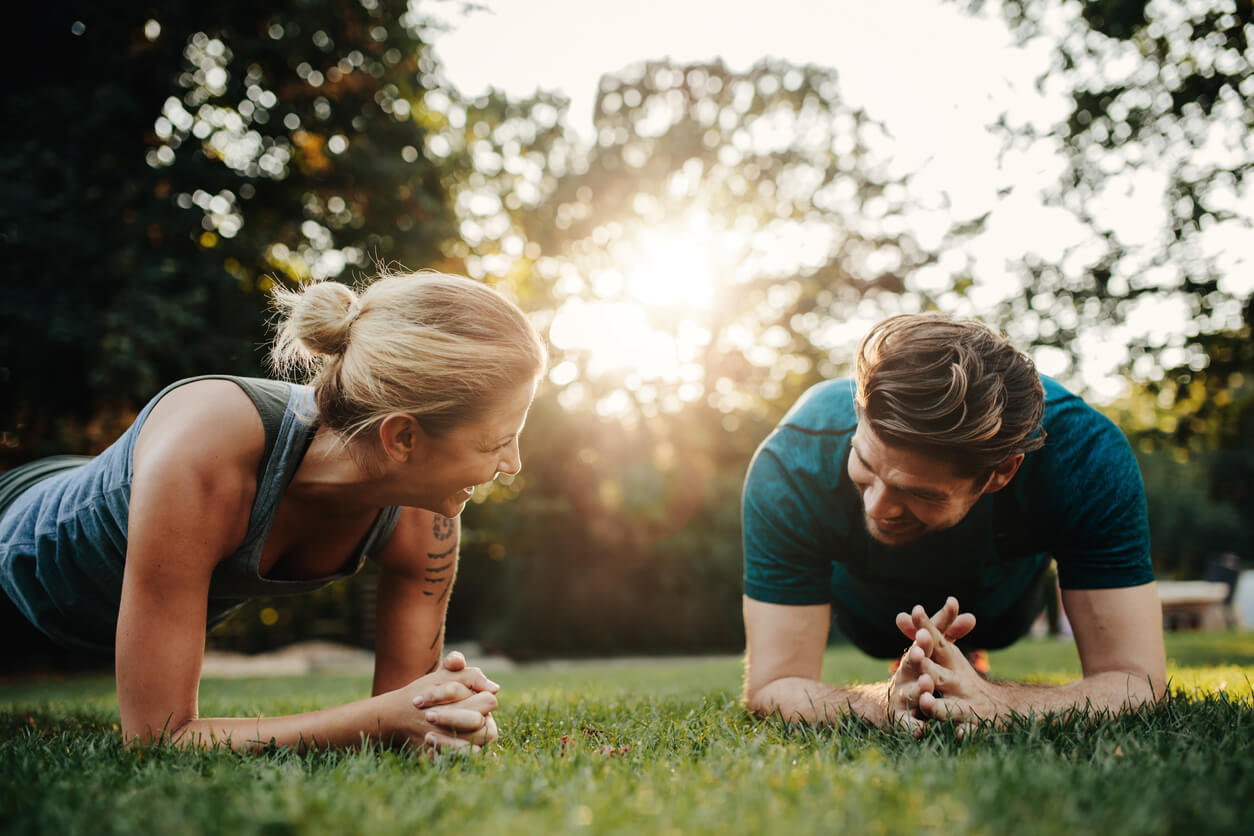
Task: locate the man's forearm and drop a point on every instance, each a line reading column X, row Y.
column 1108, row 692
column 815, row 702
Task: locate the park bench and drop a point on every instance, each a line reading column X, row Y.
column 1195, row 605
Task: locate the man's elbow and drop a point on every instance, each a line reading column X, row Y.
column 757, row 700
column 1156, row 685
column 1138, row 687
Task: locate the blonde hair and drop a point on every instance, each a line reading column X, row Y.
column 439, row 347
column 951, row 388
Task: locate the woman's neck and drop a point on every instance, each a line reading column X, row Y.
column 336, row 477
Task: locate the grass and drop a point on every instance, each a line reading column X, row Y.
column 693, row 762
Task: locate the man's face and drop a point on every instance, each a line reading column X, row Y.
column 906, row 494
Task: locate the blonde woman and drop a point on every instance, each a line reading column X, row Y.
column 227, row 488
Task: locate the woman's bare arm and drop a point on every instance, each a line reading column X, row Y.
column 194, row 481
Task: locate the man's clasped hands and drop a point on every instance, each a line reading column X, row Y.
column 935, row 680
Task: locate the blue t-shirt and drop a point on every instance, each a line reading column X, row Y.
column 1079, row 499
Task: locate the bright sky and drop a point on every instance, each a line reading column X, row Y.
column 934, row 76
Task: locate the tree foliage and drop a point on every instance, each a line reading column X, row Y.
column 1158, row 128
column 164, row 161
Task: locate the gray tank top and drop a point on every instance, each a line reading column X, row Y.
column 63, row 532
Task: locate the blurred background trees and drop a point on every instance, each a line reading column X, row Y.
column 717, row 246
column 165, row 162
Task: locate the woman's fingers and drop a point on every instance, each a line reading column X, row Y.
column 455, row 661
column 444, row 693
column 448, row 743
column 457, row 720
column 476, row 680
column 468, row 715
column 490, row 731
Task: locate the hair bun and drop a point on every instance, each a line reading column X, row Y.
column 316, row 322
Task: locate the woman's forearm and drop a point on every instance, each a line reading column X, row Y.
column 342, row 726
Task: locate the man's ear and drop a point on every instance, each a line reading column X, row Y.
column 401, row 436
column 1003, row 473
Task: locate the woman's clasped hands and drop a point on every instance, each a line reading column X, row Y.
column 451, row 708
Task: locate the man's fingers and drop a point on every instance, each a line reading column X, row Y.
column 942, row 708
column 962, row 625
column 906, row 625
column 945, row 616
column 938, row 676
column 907, row 721
column 925, row 642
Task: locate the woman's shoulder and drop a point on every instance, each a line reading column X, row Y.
column 210, row 422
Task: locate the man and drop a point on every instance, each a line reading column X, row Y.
column 948, row 469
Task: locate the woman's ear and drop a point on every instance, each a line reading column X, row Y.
column 402, row 436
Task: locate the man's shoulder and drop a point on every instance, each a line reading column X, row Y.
column 826, row 408
column 1082, row 447
column 1069, row 418
column 807, row 448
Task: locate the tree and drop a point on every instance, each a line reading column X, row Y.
column 164, row 162
column 1160, row 114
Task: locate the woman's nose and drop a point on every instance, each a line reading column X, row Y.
column 511, row 460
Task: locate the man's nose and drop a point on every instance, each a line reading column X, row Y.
column 879, row 501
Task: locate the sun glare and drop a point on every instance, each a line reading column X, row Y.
column 651, row 326
column 676, row 272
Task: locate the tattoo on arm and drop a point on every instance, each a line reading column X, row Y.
column 441, row 555
column 443, row 527
column 440, row 573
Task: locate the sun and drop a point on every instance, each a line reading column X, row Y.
column 652, row 326
column 676, row 271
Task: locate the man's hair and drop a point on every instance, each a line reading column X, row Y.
column 954, row 389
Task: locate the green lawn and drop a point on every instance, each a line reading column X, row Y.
column 694, row 761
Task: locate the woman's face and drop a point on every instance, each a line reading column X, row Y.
column 472, row 454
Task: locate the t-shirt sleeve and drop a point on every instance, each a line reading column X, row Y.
column 784, row 561
column 1100, row 518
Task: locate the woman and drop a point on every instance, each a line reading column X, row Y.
column 226, row 488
